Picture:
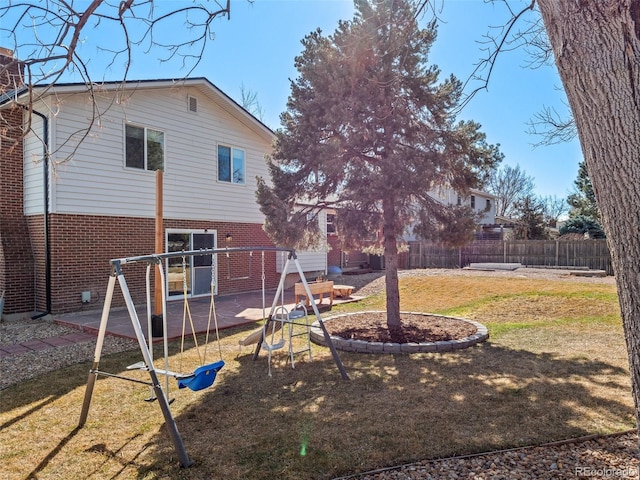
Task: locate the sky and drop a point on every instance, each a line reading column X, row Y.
column 255, row 49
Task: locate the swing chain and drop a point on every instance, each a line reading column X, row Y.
column 184, row 273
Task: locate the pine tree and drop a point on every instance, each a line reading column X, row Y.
column 583, row 200
column 370, row 131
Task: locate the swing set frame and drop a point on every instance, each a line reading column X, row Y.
column 147, row 350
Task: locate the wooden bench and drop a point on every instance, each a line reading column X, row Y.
column 316, row 288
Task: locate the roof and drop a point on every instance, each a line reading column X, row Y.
column 482, row 193
column 200, row 83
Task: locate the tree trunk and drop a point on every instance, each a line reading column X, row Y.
column 597, row 51
column 391, row 266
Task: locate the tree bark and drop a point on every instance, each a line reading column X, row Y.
column 597, row 52
column 391, row 266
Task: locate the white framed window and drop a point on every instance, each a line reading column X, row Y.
column 473, row 201
column 231, row 165
column 331, row 225
column 144, row 148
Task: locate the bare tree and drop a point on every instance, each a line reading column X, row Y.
column 554, row 207
column 596, row 46
column 47, row 38
column 509, row 184
column 250, row 102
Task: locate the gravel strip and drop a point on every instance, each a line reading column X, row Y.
column 614, row 456
column 18, row 367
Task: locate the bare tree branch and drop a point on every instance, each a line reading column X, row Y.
column 552, row 127
column 249, row 101
column 548, row 123
column 47, row 37
column 506, row 40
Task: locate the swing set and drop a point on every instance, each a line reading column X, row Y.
column 205, row 374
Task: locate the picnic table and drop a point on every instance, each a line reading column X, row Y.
column 316, row 288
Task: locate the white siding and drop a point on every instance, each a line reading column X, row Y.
column 310, row 261
column 449, row 197
column 33, row 173
column 91, row 178
column 489, row 216
column 314, row 260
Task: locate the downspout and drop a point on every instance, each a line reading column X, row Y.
column 47, row 248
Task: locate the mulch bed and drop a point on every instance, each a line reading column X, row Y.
column 414, row 328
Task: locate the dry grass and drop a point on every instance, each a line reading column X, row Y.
column 555, row 367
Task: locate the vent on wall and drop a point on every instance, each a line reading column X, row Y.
column 193, row 104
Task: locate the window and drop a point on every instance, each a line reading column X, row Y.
column 144, row 148
column 459, row 201
column 230, row 165
column 331, row 226
column 488, row 205
column 473, row 201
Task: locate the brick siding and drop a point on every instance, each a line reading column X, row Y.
column 16, row 257
column 81, row 247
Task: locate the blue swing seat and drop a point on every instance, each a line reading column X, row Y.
column 203, row 377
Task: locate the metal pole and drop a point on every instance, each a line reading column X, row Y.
column 159, row 230
column 91, row 380
column 165, row 333
column 185, row 461
column 196, row 253
column 327, row 337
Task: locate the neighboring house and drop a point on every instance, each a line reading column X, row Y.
column 483, row 203
column 313, row 260
column 64, row 215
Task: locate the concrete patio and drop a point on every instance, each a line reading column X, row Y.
column 231, row 311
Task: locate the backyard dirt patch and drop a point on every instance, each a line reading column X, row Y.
column 372, row 327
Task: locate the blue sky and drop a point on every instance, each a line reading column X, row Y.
column 257, row 46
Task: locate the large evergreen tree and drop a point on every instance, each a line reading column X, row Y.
column 583, row 200
column 531, row 224
column 370, row 130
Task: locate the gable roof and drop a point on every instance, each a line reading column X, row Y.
column 201, row 84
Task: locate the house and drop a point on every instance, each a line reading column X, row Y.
column 482, row 203
column 80, row 189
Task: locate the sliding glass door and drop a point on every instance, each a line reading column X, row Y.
column 191, row 273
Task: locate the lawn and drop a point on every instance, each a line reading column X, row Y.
column 555, row 367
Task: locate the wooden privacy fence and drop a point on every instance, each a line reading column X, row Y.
column 592, row 254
